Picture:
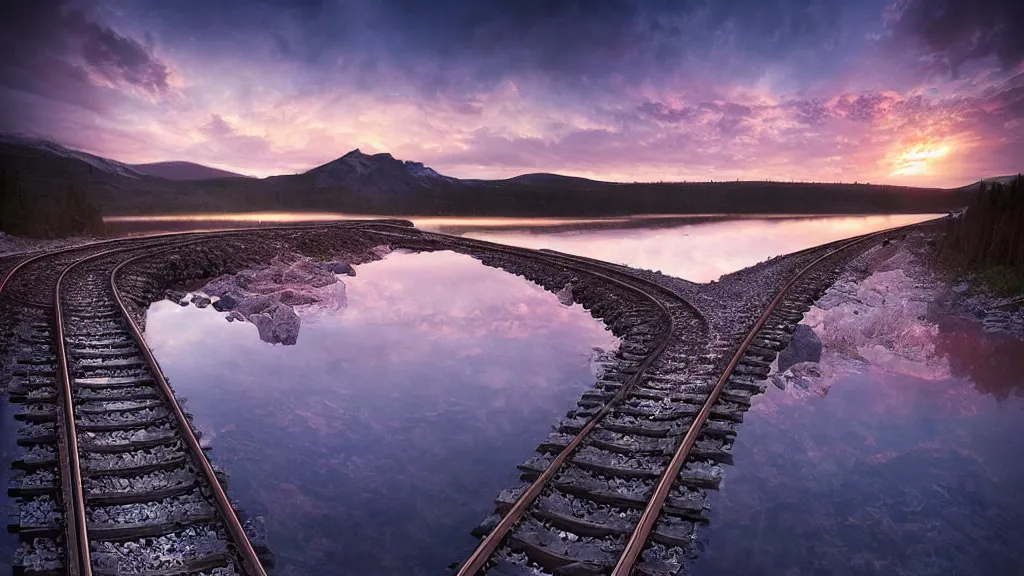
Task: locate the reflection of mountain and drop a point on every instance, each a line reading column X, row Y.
column 994, row 363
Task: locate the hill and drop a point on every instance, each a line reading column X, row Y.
column 183, row 171
column 359, row 183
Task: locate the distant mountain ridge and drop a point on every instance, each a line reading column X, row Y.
column 179, row 170
column 380, row 184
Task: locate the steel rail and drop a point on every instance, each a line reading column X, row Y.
column 76, row 526
column 75, row 522
column 250, row 560
column 72, row 541
column 642, row 531
column 490, row 543
column 478, row 559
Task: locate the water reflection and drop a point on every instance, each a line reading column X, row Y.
column 906, row 470
column 8, row 452
column 698, row 247
column 991, row 362
column 701, row 251
column 382, row 436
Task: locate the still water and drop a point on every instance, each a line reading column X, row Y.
column 895, row 467
column 697, row 248
column 692, row 249
column 376, row 443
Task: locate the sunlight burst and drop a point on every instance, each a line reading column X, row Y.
column 917, row 160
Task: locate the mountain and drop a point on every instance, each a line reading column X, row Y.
column 359, row 183
column 376, row 174
column 104, row 164
column 183, row 171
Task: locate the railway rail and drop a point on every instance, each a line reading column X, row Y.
column 621, row 487
column 115, row 477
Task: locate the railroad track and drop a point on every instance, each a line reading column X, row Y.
column 112, row 479
column 618, row 489
column 622, row 485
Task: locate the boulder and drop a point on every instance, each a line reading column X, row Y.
column 961, row 288
column 227, row 302
column 341, row 268
column 235, row 316
column 175, row 296
column 804, row 347
column 201, row 301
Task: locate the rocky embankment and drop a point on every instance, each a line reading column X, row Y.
column 272, row 297
column 879, row 315
column 261, row 276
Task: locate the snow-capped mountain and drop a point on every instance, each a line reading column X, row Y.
column 101, row 163
column 378, row 173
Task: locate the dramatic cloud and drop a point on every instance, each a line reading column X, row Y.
column 954, row 32
column 907, row 91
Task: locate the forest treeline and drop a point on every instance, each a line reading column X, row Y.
column 988, row 238
column 45, row 211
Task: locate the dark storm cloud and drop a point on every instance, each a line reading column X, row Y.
column 449, row 46
column 118, row 58
column 953, row 32
column 51, row 49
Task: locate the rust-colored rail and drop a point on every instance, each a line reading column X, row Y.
column 638, row 539
column 250, row 562
column 79, row 560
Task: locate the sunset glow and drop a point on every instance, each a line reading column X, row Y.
column 918, row 160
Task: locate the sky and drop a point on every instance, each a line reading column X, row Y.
column 918, row 92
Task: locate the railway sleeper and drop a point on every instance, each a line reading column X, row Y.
column 119, row 394
column 39, row 482
column 624, row 424
column 82, row 365
column 35, row 411
column 38, row 557
column 36, row 456
column 565, row 553
column 34, row 516
column 155, row 518
column 135, row 462
column 88, row 341
column 192, row 550
column 127, row 440
column 106, row 406
column 112, row 381
column 88, row 353
column 746, row 383
column 113, row 421
column 627, row 493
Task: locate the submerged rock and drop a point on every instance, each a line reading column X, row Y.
column 804, row 347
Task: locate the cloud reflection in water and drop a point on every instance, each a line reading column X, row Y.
column 380, row 438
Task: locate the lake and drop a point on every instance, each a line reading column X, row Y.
column 696, row 248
